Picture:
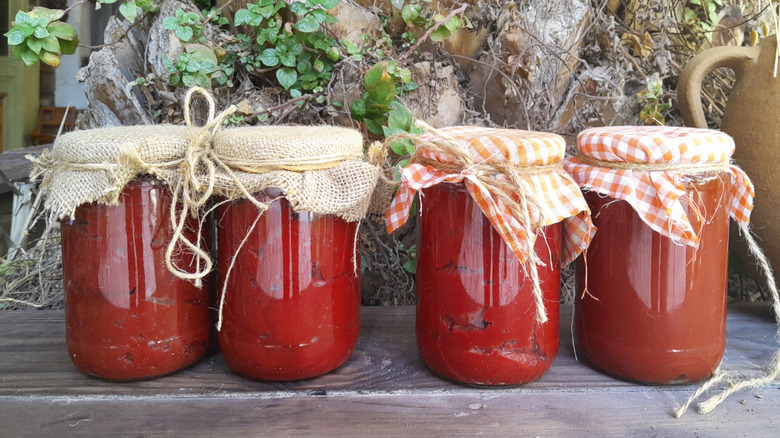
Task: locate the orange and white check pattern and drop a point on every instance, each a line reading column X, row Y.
column 557, row 196
column 656, row 195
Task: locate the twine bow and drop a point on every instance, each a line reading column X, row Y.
column 196, row 185
column 506, row 185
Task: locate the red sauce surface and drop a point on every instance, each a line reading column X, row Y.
column 127, row 317
column 292, row 309
column 475, row 311
column 661, row 310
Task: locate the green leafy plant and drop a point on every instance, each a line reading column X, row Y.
column 702, row 14
column 654, row 106
column 382, row 83
column 186, row 26
column 196, row 67
column 39, row 35
column 299, row 52
column 130, row 8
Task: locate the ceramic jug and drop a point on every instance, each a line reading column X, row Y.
column 752, row 118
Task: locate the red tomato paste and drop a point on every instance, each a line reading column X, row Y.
column 127, row 316
column 292, row 306
column 475, row 311
column 655, row 310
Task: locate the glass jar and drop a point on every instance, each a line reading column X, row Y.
column 475, row 311
column 127, row 317
column 655, row 310
column 292, row 304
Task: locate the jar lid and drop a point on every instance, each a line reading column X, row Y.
column 516, row 147
column 289, row 144
column 153, row 143
column 646, row 166
column 552, row 195
column 320, row 169
column 655, row 144
column 94, row 165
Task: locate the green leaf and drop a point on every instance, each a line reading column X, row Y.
column 28, row 56
column 46, row 15
column 333, row 54
column 41, row 32
column 286, row 77
column 63, row 31
column 34, row 44
column 49, row 58
column 108, row 2
column 307, row 24
column 453, row 24
column 327, row 4
column 170, row 23
column 15, row 37
column 51, row 44
column 129, row 10
column 299, row 9
column 440, row 34
column 243, row 16
column 295, row 93
column 358, row 109
column 68, row 47
column 287, row 59
column 399, row 119
column 303, row 66
column 375, row 74
column 184, row 33
column 23, row 18
column 319, row 65
column 351, row 48
column 146, row 5
column 398, row 4
column 405, row 75
column 410, row 13
column 268, row 57
column 25, row 29
column 197, row 79
column 374, row 126
column 323, row 17
column 202, row 56
column 410, row 266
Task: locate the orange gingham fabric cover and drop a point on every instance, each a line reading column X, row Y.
column 656, row 196
column 559, row 198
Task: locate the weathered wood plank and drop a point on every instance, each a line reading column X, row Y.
column 497, row 413
column 383, row 389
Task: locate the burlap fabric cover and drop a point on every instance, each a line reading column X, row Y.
column 95, row 165
column 320, row 169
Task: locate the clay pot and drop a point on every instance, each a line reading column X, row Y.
column 751, row 119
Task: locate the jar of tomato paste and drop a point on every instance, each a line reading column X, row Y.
column 288, row 260
column 483, row 316
column 651, row 288
column 127, row 316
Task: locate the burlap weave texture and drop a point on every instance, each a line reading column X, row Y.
column 95, row 165
column 320, row 169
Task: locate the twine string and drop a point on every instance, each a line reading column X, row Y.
column 198, row 174
column 773, row 371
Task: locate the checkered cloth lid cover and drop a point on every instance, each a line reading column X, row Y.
column 656, row 196
column 558, row 198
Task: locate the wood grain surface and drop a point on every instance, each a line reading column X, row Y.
column 383, row 390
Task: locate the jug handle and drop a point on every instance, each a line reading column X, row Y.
column 689, row 84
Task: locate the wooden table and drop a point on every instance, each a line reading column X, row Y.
column 384, row 390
